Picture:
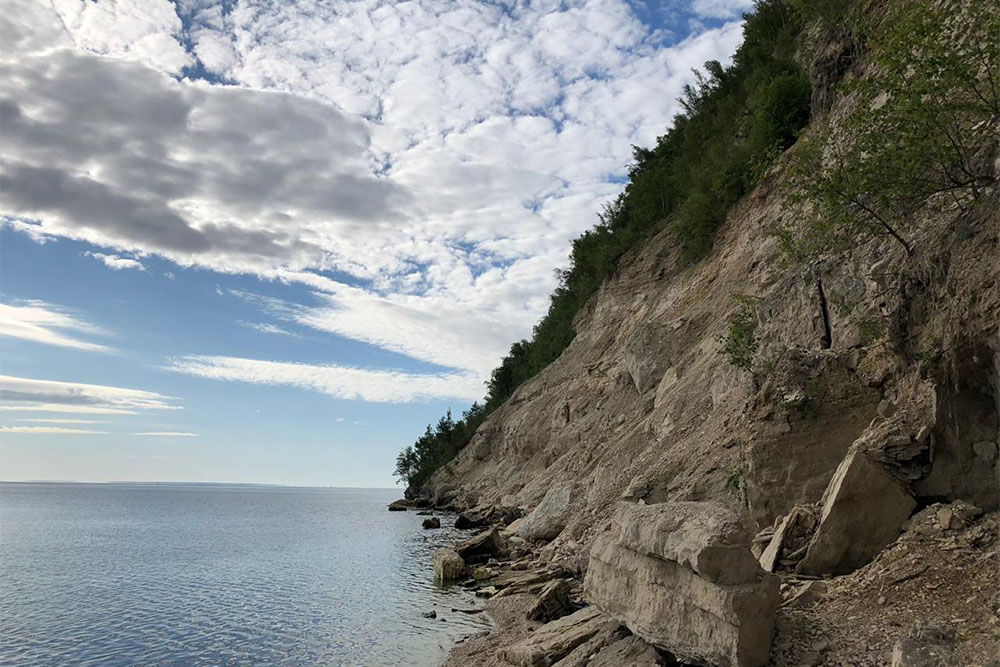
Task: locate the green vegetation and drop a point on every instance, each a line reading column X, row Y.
column 921, row 123
column 739, row 343
column 736, row 481
column 734, row 122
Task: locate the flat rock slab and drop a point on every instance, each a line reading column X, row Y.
column 631, row 651
column 863, row 510
column 553, row 641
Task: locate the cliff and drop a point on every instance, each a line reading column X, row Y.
column 874, row 392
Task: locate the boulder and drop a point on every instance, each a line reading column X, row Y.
column 662, row 571
column 553, row 641
column 474, row 518
column 584, row 654
column 552, row 514
column 704, row 536
column 862, row 510
column 448, row 566
column 552, row 602
column 480, row 548
column 631, row 651
column 398, row 506
column 928, row 644
column 432, row 522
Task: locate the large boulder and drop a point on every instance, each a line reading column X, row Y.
column 398, row 505
column 863, row 510
column 681, row 576
column 448, row 566
column 480, row 548
column 552, row 514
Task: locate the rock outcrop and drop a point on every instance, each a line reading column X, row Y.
column 681, row 577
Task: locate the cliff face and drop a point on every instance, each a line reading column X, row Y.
column 897, row 352
column 861, row 442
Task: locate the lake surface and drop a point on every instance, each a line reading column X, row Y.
column 191, row 574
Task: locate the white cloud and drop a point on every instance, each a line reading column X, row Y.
column 115, row 262
column 52, row 395
column 49, row 430
column 44, row 323
column 67, row 409
column 441, row 153
column 63, row 421
column 382, row 386
column 267, row 328
column 169, row 434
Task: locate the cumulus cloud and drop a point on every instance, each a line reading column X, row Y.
column 53, row 395
column 115, row 262
column 376, row 385
column 49, row 430
column 44, row 323
column 441, row 154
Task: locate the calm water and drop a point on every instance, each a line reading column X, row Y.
column 119, row 574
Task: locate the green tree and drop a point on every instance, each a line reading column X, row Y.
column 921, row 122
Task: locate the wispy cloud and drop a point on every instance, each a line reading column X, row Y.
column 41, row 322
column 31, row 406
column 63, row 421
column 116, row 262
column 49, row 430
column 381, row 386
column 57, row 396
column 267, row 328
column 169, row 434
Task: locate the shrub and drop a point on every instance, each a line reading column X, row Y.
column 739, row 343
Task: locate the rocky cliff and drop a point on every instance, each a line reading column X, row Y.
column 875, row 392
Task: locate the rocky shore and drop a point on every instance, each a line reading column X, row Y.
column 683, row 583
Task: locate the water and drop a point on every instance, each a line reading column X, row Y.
column 189, row 574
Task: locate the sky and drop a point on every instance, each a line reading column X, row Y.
column 269, row 242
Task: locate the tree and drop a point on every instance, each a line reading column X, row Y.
column 921, row 122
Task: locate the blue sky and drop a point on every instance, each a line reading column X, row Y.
column 269, row 242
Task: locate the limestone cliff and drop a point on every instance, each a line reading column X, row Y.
column 877, row 373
